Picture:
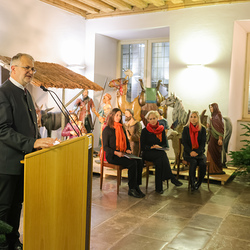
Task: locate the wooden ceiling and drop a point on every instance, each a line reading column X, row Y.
column 90, row 9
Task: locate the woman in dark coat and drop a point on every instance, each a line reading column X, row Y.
column 115, row 145
column 216, row 130
column 153, row 142
column 194, row 141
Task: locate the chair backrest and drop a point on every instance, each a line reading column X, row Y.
column 180, row 149
column 102, row 154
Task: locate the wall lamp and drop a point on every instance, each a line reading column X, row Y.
column 195, row 66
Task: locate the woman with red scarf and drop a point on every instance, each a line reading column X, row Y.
column 216, row 130
column 153, row 141
column 115, row 145
column 194, row 141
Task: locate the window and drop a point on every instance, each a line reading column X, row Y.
column 149, row 61
column 133, row 58
column 160, row 66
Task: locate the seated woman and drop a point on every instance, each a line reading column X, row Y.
column 194, row 141
column 153, row 140
column 71, row 130
column 116, row 144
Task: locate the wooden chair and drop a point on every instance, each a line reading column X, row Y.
column 149, row 164
column 109, row 165
column 180, row 160
column 118, row 169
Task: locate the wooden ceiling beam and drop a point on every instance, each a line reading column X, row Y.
column 107, row 8
column 156, row 2
column 82, row 6
column 65, row 6
column 177, row 1
column 119, row 4
column 135, row 10
column 138, row 3
column 102, row 6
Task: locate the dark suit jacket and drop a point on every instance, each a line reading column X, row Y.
column 186, row 141
column 109, row 142
column 18, row 128
column 149, row 139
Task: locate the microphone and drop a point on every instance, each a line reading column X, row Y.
column 43, row 88
column 65, row 112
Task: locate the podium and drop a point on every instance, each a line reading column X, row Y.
column 57, row 196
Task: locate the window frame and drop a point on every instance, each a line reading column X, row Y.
column 149, row 61
column 147, row 57
column 246, row 97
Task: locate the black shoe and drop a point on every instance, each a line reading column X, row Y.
column 197, row 185
column 192, row 185
column 138, row 190
column 176, row 182
column 134, row 193
column 159, row 191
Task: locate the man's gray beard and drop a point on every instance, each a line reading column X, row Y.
column 127, row 119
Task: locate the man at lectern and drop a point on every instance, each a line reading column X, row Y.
column 19, row 135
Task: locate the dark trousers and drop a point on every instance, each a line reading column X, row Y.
column 194, row 162
column 162, row 167
column 134, row 169
column 11, row 199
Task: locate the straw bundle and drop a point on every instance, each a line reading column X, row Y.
column 52, row 75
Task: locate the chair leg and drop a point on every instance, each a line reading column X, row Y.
column 198, row 173
column 147, row 176
column 167, row 184
column 101, row 177
column 208, row 169
column 178, row 167
column 118, row 179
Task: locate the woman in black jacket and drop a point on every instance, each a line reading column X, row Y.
column 194, row 141
column 153, row 141
column 116, row 144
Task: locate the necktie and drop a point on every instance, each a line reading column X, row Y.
column 30, row 108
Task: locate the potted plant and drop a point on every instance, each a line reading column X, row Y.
column 4, row 229
column 241, row 158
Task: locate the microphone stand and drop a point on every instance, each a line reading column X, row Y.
column 65, row 112
column 101, row 99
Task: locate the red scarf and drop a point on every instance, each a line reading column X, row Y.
column 121, row 143
column 156, row 129
column 193, row 132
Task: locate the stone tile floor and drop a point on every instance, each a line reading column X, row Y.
column 177, row 219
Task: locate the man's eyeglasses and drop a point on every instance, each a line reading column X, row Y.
column 27, row 68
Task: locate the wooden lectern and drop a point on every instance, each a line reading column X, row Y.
column 57, row 196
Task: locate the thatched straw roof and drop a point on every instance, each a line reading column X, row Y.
column 52, row 75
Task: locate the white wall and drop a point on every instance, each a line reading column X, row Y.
column 105, row 69
column 46, row 32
